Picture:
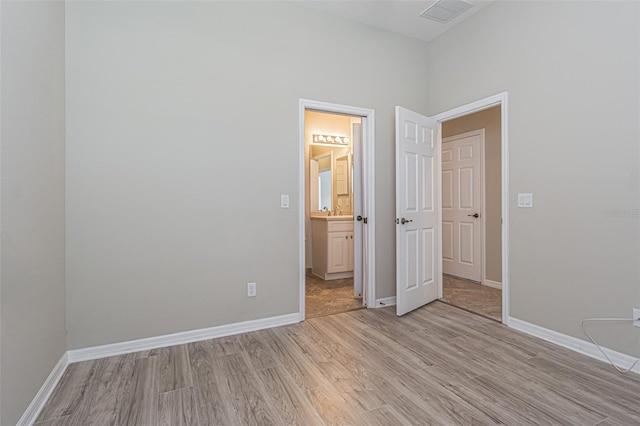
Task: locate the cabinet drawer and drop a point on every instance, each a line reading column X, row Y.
column 340, row 226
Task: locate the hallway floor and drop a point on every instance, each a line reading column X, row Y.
column 329, row 297
column 472, row 296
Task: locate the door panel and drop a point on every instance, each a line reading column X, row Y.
column 413, row 260
column 462, row 198
column 411, row 178
column 359, row 253
column 417, row 255
column 466, row 243
column 447, row 189
column 447, row 241
column 428, row 242
column 427, row 190
column 465, row 188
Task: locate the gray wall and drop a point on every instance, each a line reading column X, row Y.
column 32, row 293
column 489, row 120
column 572, row 72
column 176, row 115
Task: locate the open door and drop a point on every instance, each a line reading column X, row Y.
column 418, row 272
column 358, row 212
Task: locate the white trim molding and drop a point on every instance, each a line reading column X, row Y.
column 181, row 338
column 33, row 410
column 577, row 345
column 492, row 284
column 384, row 302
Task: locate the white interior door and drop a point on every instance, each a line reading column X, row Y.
column 418, row 273
column 358, row 203
column 462, row 205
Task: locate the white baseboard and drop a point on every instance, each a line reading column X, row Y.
column 492, row 284
column 386, row 301
column 623, row 361
column 120, row 348
column 33, row 410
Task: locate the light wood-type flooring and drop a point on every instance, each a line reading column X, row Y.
column 329, row 297
column 472, row 296
column 437, row 365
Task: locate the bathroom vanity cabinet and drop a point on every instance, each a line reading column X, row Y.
column 332, row 247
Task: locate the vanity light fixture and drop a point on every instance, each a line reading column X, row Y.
column 330, row 139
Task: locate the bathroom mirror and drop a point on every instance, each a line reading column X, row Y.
column 321, row 179
column 330, row 178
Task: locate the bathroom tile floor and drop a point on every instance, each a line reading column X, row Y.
column 329, row 297
column 472, row 296
column 336, row 296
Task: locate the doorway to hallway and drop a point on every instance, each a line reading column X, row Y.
column 472, row 212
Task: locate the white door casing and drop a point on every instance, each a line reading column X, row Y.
column 462, row 205
column 367, row 161
column 418, row 272
column 501, row 99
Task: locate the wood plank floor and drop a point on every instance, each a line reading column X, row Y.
column 438, row 365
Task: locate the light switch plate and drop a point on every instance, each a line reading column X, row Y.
column 284, row 201
column 251, row 289
column 525, row 199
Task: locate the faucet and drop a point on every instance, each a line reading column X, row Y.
column 325, row 209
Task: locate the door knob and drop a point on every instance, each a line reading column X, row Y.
column 476, row 215
column 359, row 218
column 403, row 221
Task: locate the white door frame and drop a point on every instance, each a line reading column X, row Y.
column 482, row 104
column 368, row 154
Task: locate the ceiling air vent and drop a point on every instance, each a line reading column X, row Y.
column 445, row 10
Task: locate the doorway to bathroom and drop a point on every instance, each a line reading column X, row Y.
column 336, row 231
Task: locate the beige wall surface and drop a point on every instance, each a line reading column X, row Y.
column 489, row 120
column 32, row 292
column 176, row 115
column 572, row 70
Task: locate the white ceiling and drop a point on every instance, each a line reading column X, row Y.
column 398, row 16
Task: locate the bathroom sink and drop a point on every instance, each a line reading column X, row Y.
column 325, row 217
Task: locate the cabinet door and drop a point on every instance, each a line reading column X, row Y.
column 338, row 246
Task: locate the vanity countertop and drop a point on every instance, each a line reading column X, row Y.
column 325, row 217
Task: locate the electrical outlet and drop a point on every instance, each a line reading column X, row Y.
column 636, row 317
column 251, row 289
